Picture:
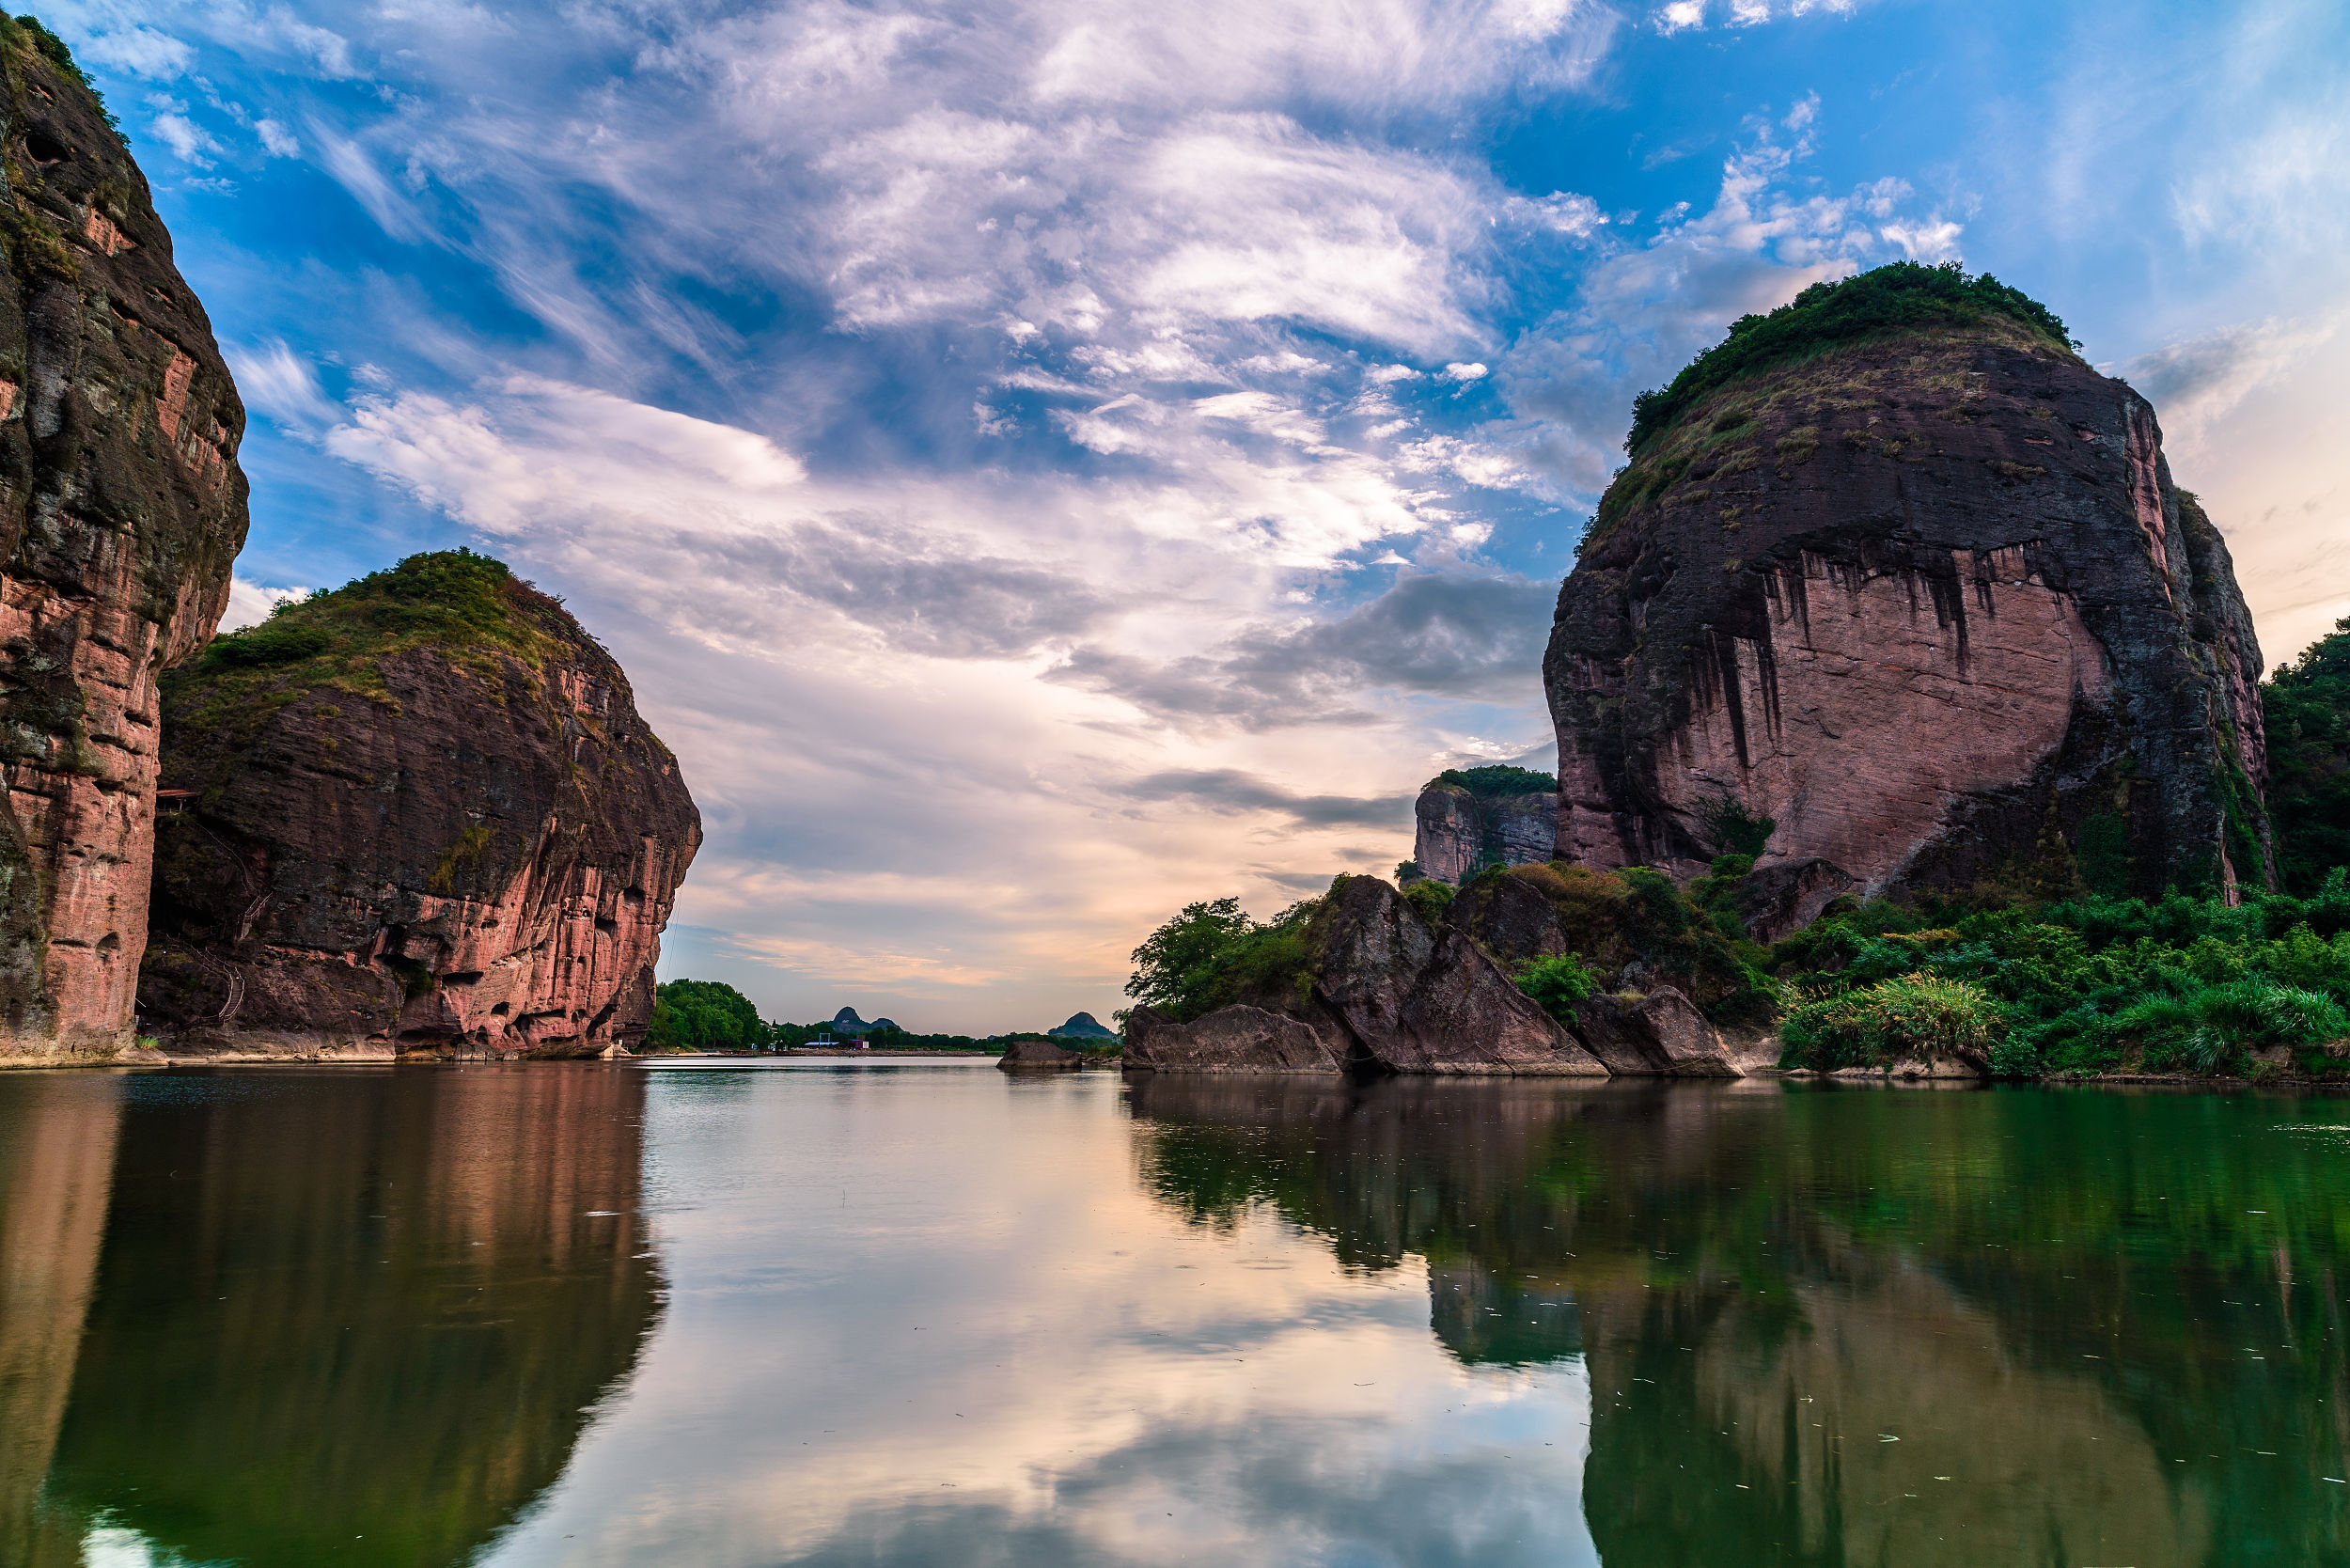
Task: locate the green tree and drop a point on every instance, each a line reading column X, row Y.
column 2306, row 707
column 703, row 1015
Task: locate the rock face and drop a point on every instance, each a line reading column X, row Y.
column 1929, row 603
column 422, row 815
column 1026, row 1055
column 1383, row 992
column 1230, row 1039
column 123, row 505
column 1661, row 1035
column 1460, row 833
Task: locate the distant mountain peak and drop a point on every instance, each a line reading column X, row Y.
column 1083, row 1025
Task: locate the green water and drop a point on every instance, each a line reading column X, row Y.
column 935, row 1315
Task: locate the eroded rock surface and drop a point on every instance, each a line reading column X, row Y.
column 1028, row 1055
column 1230, row 1039
column 421, row 815
column 1460, row 833
column 1661, row 1035
column 121, row 507
column 1931, row 602
column 1383, row 991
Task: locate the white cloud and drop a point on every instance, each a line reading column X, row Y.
column 279, row 141
column 1932, row 240
column 250, row 604
column 281, row 384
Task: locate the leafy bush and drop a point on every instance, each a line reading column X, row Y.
column 270, row 643
column 1556, row 983
column 1430, row 898
column 1904, row 294
column 1913, row 1016
column 2087, row 986
column 1213, row 955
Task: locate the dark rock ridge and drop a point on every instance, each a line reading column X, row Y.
column 1460, row 833
column 847, row 1022
column 123, row 505
column 1026, row 1055
column 1929, row 602
column 421, row 815
column 1083, row 1026
column 1380, row 990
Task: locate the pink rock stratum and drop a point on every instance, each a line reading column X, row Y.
column 1931, row 602
column 122, row 507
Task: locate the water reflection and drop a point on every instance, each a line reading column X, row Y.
column 1832, row 1328
column 56, row 1161
column 937, row 1316
column 358, row 1316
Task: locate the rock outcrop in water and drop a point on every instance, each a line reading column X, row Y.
column 1924, row 598
column 1379, row 989
column 122, row 507
column 419, row 814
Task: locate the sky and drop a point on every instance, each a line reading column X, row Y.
column 1044, row 463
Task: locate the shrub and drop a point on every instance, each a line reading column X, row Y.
column 1556, row 983
column 1430, row 898
column 1914, row 1015
column 270, row 643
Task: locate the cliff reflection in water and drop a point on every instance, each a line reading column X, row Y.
column 1828, row 1327
column 359, row 1315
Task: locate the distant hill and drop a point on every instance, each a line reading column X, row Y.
column 1083, row 1026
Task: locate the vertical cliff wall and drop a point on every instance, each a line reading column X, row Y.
column 121, row 507
column 1926, row 598
column 419, row 814
column 1469, row 819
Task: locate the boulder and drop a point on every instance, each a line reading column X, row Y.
column 1391, row 993
column 123, row 507
column 1660, row 1035
column 1230, row 1039
column 419, row 811
column 1024, row 1054
column 1927, row 601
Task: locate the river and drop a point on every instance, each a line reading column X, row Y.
column 834, row 1313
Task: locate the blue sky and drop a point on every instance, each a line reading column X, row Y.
column 1043, row 461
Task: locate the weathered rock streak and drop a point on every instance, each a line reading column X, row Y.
column 1931, row 602
column 123, row 505
column 480, row 861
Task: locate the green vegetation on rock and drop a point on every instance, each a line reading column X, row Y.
column 703, row 1015
column 1556, row 983
column 1213, row 954
column 2080, row 987
column 1497, row 780
column 2305, row 710
column 1903, row 296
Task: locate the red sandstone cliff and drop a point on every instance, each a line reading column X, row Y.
column 1928, row 599
column 121, row 507
column 424, row 817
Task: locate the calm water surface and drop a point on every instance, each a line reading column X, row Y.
column 931, row 1315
